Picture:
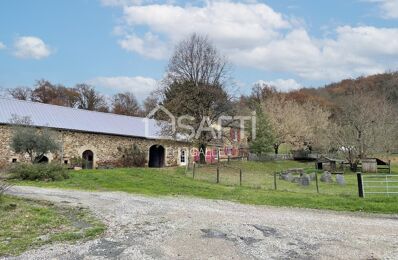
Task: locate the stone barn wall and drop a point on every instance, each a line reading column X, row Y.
column 104, row 147
column 6, row 153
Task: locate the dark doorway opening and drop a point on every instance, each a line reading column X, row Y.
column 88, row 159
column 43, row 159
column 156, row 156
column 319, row 166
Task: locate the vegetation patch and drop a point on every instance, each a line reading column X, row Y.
column 28, row 224
column 39, row 171
column 174, row 181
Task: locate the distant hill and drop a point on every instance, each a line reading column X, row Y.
column 380, row 84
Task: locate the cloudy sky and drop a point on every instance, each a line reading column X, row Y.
column 120, row 45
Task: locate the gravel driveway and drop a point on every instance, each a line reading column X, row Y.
column 142, row 227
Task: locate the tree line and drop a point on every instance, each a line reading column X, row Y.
column 83, row 96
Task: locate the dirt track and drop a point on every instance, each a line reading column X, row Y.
column 142, row 227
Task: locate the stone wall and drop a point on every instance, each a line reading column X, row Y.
column 104, row 147
column 6, row 154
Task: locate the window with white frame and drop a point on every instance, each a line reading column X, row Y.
column 182, row 156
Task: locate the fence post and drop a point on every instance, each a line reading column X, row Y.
column 275, row 181
column 316, row 181
column 360, row 185
column 193, row 170
column 218, row 174
column 229, row 159
column 240, row 177
column 389, row 166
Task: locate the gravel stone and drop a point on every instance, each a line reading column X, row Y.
column 141, row 227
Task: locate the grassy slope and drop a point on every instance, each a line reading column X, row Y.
column 172, row 181
column 31, row 224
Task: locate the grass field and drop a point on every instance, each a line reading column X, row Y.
column 260, row 175
column 174, row 181
column 27, row 224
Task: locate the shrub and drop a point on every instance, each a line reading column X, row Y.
column 44, row 172
column 132, row 156
column 76, row 161
column 35, row 143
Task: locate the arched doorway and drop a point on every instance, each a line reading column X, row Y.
column 88, row 159
column 43, row 159
column 156, row 156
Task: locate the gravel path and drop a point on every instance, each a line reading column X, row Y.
column 142, row 227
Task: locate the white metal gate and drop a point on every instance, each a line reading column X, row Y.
column 378, row 184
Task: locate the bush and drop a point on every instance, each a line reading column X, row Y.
column 132, row 157
column 39, row 171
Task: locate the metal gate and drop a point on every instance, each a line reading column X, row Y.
column 386, row 184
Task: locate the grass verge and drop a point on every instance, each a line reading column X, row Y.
column 27, row 224
column 172, row 181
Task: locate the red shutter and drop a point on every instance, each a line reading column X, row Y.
column 238, row 134
column 231, row 133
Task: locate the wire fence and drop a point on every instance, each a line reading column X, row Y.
column 237, row 174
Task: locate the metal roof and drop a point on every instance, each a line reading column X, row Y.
column 59, row 117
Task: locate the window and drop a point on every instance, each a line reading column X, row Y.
column 182, row 156
column 14, row 160
column 235, row 134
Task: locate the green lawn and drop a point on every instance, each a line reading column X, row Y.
column 27, row 224
column 174, row 181
column 261, row 175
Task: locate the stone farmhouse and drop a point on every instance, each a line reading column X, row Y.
column 96, row 137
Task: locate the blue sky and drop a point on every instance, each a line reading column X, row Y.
column 120, row 45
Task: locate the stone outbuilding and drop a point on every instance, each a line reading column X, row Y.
column 328, row 164
column 92, row 136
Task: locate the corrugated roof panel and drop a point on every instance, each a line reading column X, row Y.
column 77, row 119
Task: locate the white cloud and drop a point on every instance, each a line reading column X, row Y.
column 149, row 45
column 30, row 47
column 233, row 25
column 389, row 8
column 354, row 51
column 283, row 85
column 140, row 86
column 2, row 46
column 254, row 35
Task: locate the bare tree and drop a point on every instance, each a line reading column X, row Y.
column 44, row 92
column 151, row 102
column 301, row 125
column 90, row 99
column 126, row 104
column 21, row 93
column 195, row 86
column 197, row 60
column 366, row 126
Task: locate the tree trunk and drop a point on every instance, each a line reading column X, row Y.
column 202, row 153
column 276, row 148
column 353, row 166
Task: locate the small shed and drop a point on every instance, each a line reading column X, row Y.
column 374, row 164
column 328, row 164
